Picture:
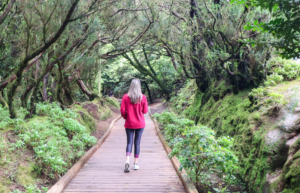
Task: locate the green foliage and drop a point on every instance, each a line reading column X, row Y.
column 72, row 126
column 84, row 117
column 54, row 111
column 185, row 97
column 289, row 69
column 256, row 117
column 273, row 79
column 7, row 121
column 112, row 101
column 257, row 93
column 282, row 69
column 282, row 25
column 32, row 188
column 58, row 142
column 275, row 99
column 199, row 152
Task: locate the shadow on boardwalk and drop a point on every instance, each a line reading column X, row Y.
column 104, row 170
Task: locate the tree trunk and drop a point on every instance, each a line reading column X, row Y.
column 7, row 10
column 59, row 90
column 99, row 83
column 24, row 97
column 44, row 89
column 149, row 93
column 2, row 101
column 85, row 90
column 33, row 100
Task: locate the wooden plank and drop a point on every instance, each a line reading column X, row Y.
column 103, row 172
column 63, row 182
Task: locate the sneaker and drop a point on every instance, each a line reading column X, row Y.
column 135, row 167
column 126, row 170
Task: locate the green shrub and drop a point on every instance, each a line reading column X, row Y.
column 289, row 69
column 72, row 126
column 54, row 111
column 273, row 79
column 197, row 148
column 275, row 99
column 57, row 142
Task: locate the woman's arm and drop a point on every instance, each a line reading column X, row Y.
column 145, row 106
column 123, row 108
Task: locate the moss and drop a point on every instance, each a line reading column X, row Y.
column 37, row 119
column 85, row 118
column 276, row 185
column 4, row 183
column 220, row 89
column 248, row 123
column 25, row 175
column 99, row 110
column 291, row 171
column 105, row 113
column 112, row 101
column 291, row 191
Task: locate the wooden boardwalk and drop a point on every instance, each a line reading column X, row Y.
column 104, row 171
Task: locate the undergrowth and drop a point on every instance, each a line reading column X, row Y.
column 246, row 116
column 199, row 152
column 58, row 142
column 54, row 135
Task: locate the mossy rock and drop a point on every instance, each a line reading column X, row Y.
column 276, row 185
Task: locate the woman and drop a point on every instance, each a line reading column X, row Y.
column 133, row 107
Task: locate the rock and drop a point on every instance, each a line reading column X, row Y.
column 290, row 142
column 290, row 123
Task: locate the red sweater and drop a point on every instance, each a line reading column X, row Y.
column 134, row 113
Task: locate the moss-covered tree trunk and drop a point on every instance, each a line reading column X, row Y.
column 2, row 101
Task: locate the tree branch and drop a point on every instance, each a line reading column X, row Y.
column 148, row 62
column 7, row 10
column 13, row 77
column 128, row 10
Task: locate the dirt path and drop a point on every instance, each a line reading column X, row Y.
column 102, row 126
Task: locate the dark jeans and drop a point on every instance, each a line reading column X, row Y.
column 137, row 140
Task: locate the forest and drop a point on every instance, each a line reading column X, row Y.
column 225, row 74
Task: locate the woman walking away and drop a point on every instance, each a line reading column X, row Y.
column 133, row 107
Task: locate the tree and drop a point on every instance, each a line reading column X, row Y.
column 46, row 53
column 206, row 41
column 284, row 25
